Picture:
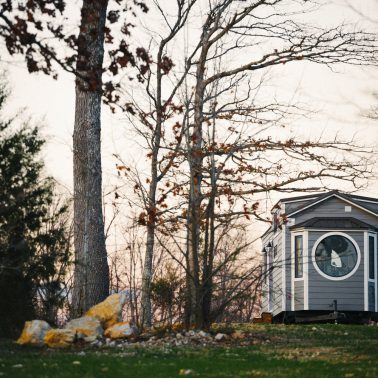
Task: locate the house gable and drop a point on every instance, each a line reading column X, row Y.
column 336, row 204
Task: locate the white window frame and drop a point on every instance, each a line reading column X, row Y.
column 374, row 236
column 354, row 270
column 303, row 252
column 305, row 262
column 375, row 279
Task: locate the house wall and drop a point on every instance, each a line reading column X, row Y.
column 371, row 296
column 265, row 299
column 288, row 273
column 369, row 205
column 276, row 303
column 290, row 295
column 295, row 205
column 336, row 208
column 349, row 292
column 277, row 273
column 299, row 295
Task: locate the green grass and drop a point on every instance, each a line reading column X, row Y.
column 275, row 351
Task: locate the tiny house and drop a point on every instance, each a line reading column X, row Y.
column 321, row 257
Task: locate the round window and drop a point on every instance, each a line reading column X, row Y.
column 336, row 256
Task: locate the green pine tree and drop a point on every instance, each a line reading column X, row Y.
column 34, row 243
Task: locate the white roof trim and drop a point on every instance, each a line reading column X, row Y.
column 301, row 229
column 363, row 200
column 326, row 198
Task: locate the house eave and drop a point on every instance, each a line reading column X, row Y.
column 353, row 203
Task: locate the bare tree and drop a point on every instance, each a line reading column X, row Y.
column 269, row 32
column 153, row 119
column 230, row 136
column 372, row 113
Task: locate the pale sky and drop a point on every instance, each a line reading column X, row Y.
column 339, row 97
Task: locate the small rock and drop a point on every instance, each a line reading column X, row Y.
column 179, row 336
column 76, row 363
column 314, row 328
column 34, row 332
column 203, row 334
column 82, row 353
column 220, row 337
column 94, row 343
column 186, row 371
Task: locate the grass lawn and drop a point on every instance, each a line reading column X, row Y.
column 277, row 351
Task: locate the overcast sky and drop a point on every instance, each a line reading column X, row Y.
column 340, row 98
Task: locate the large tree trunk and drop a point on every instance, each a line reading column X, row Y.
column 91, row 278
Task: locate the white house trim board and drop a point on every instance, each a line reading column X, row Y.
column 331, row 230
column 328, row 197
column 376, row 271
column 369, row 201
column 375, row 280
column 366, row 271
column 305, row 269
column 283, row 271
column 292, row 259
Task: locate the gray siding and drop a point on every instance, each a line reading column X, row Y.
column 369, row 205
column 349, row 293
column 336, row 208
column 290, row 207
column 280, row 265
column 288, row 254
column 299, row 295
column 371, row 296
column 264, row 303
column 277, row 274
